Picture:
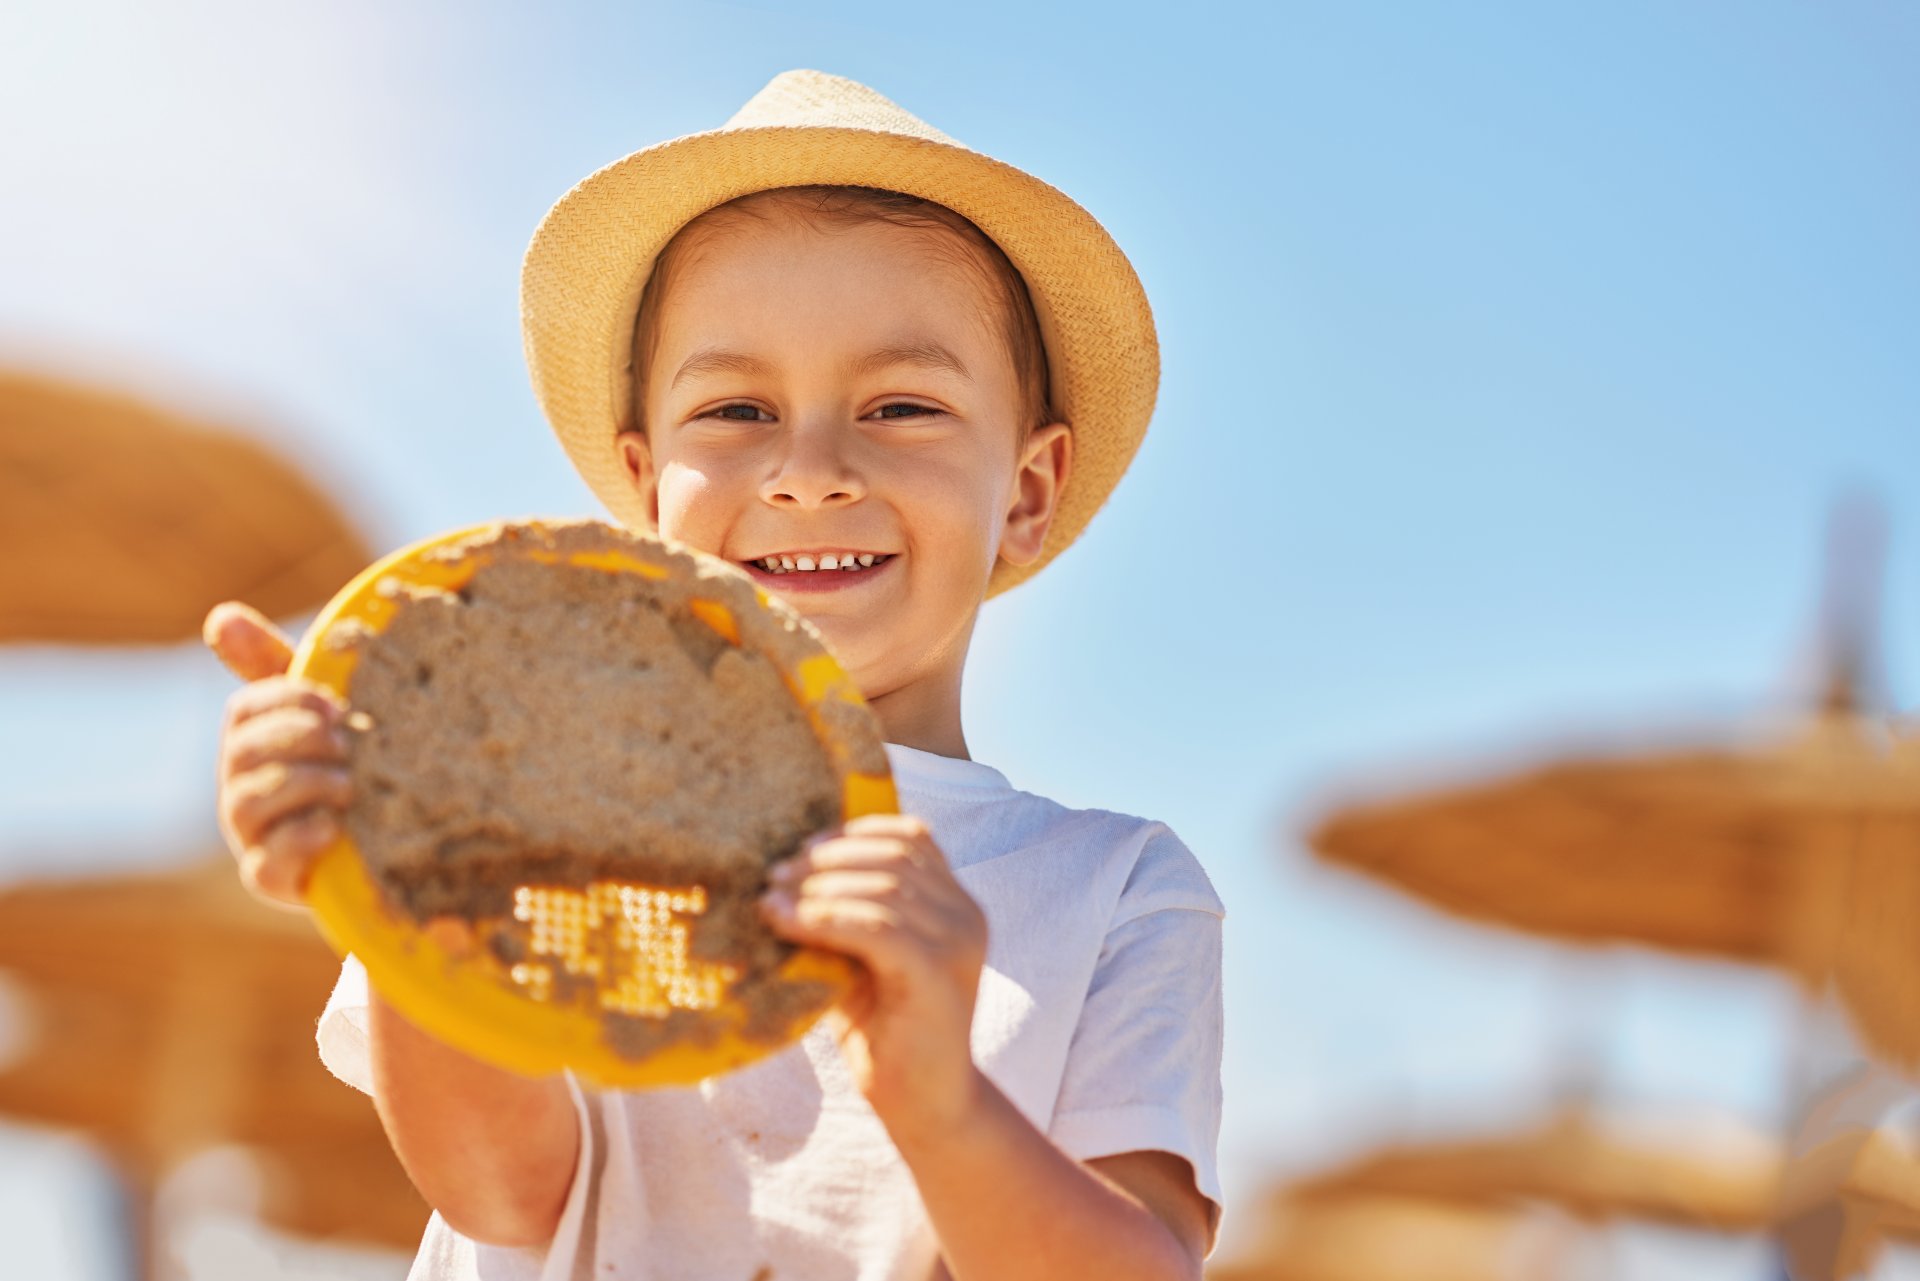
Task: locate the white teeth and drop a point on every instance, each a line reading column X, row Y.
column 831, row 560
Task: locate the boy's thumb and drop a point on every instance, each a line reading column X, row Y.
column 246, row 641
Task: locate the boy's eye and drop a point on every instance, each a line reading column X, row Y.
column 745, row 413
column 726, row 411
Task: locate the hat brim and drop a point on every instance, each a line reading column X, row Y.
column 590, row 257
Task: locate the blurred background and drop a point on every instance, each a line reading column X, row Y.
column 1541, row 388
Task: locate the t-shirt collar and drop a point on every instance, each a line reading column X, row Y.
column 915, row 768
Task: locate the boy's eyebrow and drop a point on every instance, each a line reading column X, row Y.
column 924, row 352
column 715, row 360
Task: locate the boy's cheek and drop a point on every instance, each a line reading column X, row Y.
column 686, row 500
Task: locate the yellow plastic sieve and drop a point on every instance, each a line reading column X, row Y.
column 622, row 942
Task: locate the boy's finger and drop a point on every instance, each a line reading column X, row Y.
column 910, row 830
column 271, row 693
column 246, row 641
column 263, row 796
column 891, row 849
column 908, row 826
column 279, row 866
column 876, row 884
column 842, row 852
column 287, row 734
column 866, row 930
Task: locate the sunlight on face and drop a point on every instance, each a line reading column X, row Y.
column 846, row 392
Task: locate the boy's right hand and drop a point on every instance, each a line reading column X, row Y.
column 283, row 780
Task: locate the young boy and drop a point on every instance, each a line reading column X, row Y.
column 889, row 377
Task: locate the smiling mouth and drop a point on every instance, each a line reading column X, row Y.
column 822, row 563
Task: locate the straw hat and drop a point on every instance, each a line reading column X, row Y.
column 580, row 284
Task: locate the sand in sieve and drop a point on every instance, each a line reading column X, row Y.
column 559, row 725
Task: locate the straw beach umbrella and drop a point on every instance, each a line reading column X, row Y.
column 1708, row 851
column 1719, row 1176
column 1511, row 1204
column 1378, row 1236
column 123, row 522
column 171, row 1013
column 1798, row 849
column 1803, row 853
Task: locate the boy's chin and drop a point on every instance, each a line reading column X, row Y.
column 842, row 637
column 852, row 647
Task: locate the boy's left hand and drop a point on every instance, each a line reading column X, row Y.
column 878, row 889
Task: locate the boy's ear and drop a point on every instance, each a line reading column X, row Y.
column 636, row 459
column 1045, row 465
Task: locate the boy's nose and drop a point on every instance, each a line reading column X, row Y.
column 814, row 472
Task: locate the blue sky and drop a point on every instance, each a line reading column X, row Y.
column 1512, row 358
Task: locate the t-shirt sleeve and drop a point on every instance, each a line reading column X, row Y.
column 342, row 1033
column 1143, row 1069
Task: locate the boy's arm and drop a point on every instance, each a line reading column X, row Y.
column 1165, row 1184
column 1006, row 1202
column 493, row 1152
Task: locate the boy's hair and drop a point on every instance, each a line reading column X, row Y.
column 849, row 206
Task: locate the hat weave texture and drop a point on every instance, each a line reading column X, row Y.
column 589, row 260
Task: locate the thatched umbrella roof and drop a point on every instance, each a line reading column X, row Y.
column 173, row 1012
column 1378, row 1236
column 122, row 521
column 1801, row 849
column 1509, row 1205
column 1802, row 853
column 1708, row 850
column 1724, row 1177
column 1865, row 923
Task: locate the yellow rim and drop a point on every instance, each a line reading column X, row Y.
column 464, row 995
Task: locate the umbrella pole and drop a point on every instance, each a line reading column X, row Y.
column 1589, row 987
column 1827, row 1046
column 142, row 1253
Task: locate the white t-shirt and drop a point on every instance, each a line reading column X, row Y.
column 1099, row 1016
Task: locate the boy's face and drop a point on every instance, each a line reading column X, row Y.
column 846, row 391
